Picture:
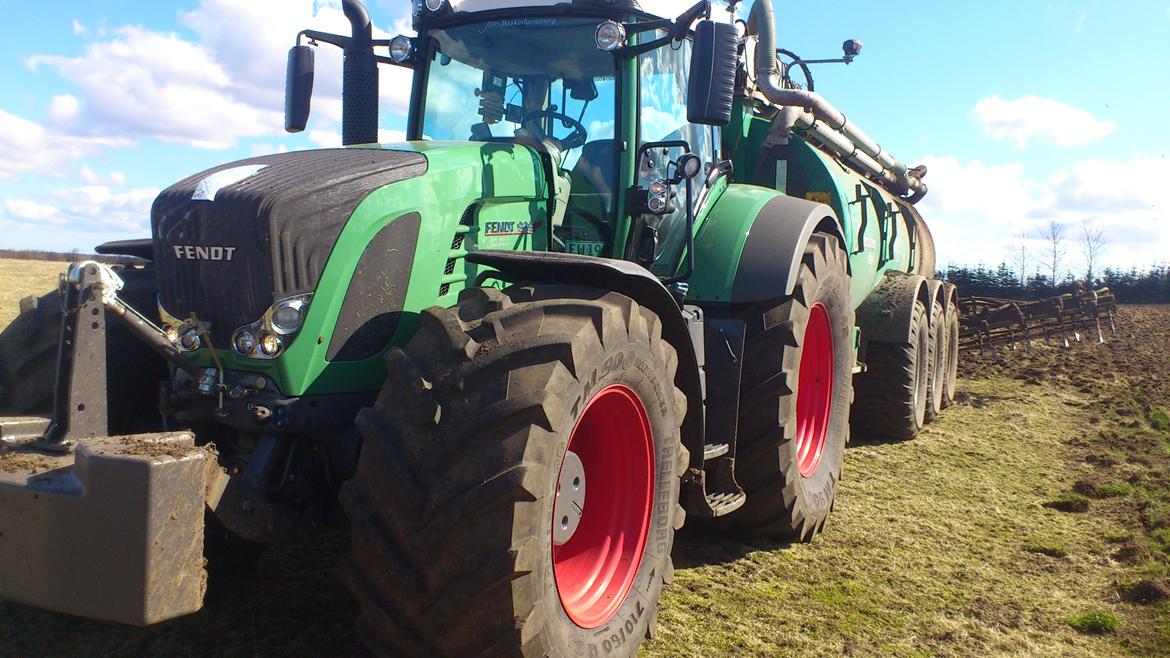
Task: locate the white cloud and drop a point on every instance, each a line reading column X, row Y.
column 1044, row 120
column 94, row 178
column 63, row 109
column 226, row 85
column 28, row 147
column 977, row 211
column 146, row 84
column 325, row 138
column 78, row 28
column 89, row 208
column 30, row 210
column 268, row 149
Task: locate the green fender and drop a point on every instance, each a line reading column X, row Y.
column 750, row 246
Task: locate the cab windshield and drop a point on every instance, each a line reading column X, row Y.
column 540, row 82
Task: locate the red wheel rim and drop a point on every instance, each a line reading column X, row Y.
column 814, row 397
column 595, row 568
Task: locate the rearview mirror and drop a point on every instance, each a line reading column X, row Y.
column 712, row 80
column 298, row 88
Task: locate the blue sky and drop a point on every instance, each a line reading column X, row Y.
column 1024, row 111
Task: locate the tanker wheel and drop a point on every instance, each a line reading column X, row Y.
column 797, row 385
column 892, row 392
column 936, row 369
column 950, row 379
column 517, row 490
column 28, row 359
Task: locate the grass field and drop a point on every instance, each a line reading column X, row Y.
column 1032, row 518
column 21, row 278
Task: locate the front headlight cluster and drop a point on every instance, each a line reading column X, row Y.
column 267, row 337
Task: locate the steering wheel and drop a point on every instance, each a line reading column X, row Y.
column 576, row 139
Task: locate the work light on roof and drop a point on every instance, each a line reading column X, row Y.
column 401, row 49
column 610, row 36
column 435, row 5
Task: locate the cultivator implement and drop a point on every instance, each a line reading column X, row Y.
column 987, row 323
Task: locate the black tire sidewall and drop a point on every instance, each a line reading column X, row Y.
column 817, row 491
column 633, row 365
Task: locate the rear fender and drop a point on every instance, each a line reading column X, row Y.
column 751, row 245
column 633, row 281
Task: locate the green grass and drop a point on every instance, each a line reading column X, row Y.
column 1094, row 623
column 1114, row 490
column 922, row 555
column 1159, row 419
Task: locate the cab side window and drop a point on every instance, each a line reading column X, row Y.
column 662, row 117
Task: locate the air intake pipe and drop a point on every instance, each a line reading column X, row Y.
column 359, row 87
column 817, row 115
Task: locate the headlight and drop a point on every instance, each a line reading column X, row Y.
column 270, row 344
column 267, row 337
column 287, row 316
column 401, row 49
column 610, row 36
column 244, row 341
column 435, row 5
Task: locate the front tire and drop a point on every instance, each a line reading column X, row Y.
column 517, row 491
column 797, row 386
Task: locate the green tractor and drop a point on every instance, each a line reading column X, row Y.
column 625, row 269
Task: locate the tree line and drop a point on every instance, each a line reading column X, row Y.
column 62, row 256
column 1135, row 286
column 1039, row 272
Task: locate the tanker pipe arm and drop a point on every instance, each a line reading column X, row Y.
column 828, row 120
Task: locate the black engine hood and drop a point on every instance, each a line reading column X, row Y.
column 230, row 241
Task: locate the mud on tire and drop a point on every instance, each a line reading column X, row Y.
column 892, row 392
column 451, row 508
column 782, row 501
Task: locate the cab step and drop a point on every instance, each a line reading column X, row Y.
column 715, row 450
column 726, row 503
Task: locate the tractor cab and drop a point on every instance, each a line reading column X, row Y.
column 608, row 95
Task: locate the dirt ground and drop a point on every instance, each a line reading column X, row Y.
column 1032, row 518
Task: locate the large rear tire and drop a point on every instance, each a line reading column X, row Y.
column 517, row 490
column 797, row 385
column 892, row 392
column 28, row 359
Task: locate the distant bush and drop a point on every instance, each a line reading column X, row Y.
column 62, row 257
